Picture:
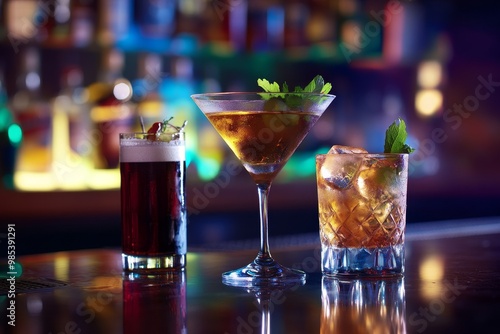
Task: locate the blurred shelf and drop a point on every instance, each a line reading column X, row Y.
column 425, row 197
column 34, row 205
column 26, row 205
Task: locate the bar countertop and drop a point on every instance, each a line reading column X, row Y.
column 451, row 285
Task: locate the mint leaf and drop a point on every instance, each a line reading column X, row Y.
column 326, row 88
column 316, row 85
column 268, row 87
column 395, row 138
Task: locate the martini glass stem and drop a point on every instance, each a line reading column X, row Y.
column 264, row 256
column 266, row 319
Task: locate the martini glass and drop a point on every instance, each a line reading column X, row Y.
column 263, row 130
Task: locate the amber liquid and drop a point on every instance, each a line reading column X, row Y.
column 153, row 208
column 263, row 141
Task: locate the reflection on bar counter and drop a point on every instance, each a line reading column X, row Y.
column 363, row 306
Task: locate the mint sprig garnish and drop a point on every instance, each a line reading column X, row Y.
column 317, row 85
column 395, row 138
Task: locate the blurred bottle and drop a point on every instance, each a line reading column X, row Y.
column 114, row 20
column 359, row 35
column 83, row 22
column 321, row 27
column 188, row 26
column 155, row 303
column 149, row 103
column 404, row 24
column 296, row 18
column 190, row 17
column 156, row 18
column 214, row 20
column 266, row 21
column 111, row 113
column 349, row 27
column 238, row 24
column 33, row 114
column 71, row 148
column 10, row 139
column 56, row 16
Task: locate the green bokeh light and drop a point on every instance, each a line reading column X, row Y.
column 208, row 168
column 15, row 134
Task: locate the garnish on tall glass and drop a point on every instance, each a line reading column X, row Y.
column 264, row 130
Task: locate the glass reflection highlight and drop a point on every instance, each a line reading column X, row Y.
column 155, row 303
column 267, row 297
column 363, row 306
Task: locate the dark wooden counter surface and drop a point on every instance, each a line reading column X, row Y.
column 451, row 285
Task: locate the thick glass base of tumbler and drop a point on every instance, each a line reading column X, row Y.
column 271, row 274
column 153, row 264
column 363, row 262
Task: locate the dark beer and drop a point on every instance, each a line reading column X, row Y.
column 153, row 207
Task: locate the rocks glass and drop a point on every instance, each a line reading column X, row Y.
column 362, row 213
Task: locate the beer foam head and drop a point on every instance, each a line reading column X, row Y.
column 142, row 150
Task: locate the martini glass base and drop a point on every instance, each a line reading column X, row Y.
column 256, row 274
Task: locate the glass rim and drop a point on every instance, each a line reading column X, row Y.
column 221, row 95
column 140, row 133
column 164, row 137
column 370, row 155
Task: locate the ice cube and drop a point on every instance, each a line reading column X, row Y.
column 368, row 184
column 339, row 172
column 339, row 149
column 380, row 179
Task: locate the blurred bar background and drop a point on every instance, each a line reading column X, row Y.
column 75, row 73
